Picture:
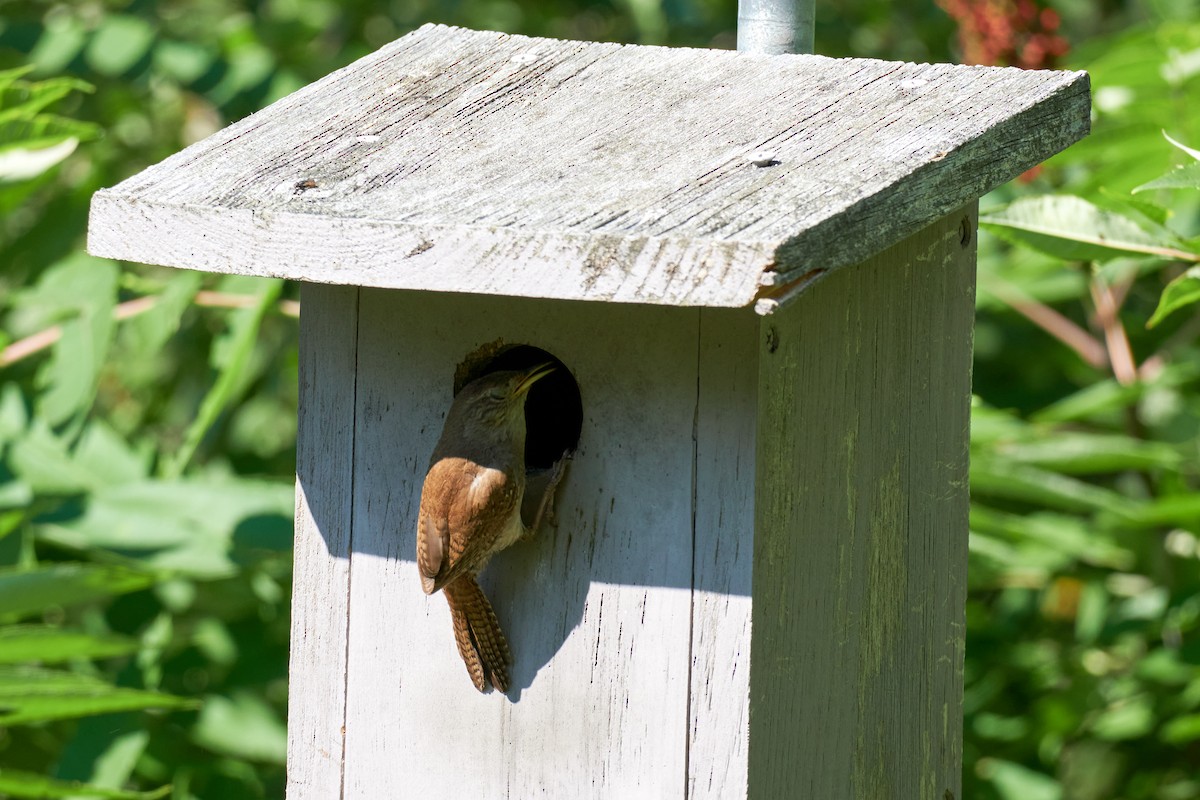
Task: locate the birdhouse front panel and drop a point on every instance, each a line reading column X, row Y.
column 599, row 609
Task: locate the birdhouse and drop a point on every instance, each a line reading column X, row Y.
column 754, row 276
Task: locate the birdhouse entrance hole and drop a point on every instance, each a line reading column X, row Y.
column 553, row 409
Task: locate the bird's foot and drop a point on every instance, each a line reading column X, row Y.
column 544, row 510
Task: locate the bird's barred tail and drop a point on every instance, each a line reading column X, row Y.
column 480, row 641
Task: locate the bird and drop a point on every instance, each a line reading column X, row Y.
column 471, row 509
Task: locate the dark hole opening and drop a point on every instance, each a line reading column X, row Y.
column 553, row 409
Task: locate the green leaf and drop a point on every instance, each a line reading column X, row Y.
column 23, row 99
column 1134, row 208
column 49, row 645
column 44, row 130
column 10, row 76
column 104, row 751
column 1097, row 400
column 25, row 707
column 65, row 289
column 13, row 416
column 1074, row 229
column 243, row 727
column 29, row 591
column 1186, row 177
column 1181, row 292
column 62, row 39
column 1182, row 510
column 21, row 164
column 1182, row 730
column 1077, row 453
column 186, row 62
column 41, row 460
column 249, row 65
column 1105, row 401
column 994, row 561
column 16, row 783
column 121, row 41
column 1193, row 153
column 998, row 477
column 1001, row 728
column 72, row 372
column 151, row 330
column 1058, row 534
column 30, row 139
column 1015, row 782
column 1164, row 666
column 232, row 358
column 196, row 527
column 102, row 452
column 29, row 694
column 14, row 495
column 1130, row 719
column 15, row 680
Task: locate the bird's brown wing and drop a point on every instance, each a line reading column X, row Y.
column 464, row 509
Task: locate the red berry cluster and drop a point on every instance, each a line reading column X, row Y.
column 1007, row 33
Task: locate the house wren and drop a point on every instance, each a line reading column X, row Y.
column 471, row 509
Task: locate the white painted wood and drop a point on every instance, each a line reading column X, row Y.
column 860, row 558
column 597, row 611
column 321, row 578
column 726, row 426
column 756, row 585
column 481, row 162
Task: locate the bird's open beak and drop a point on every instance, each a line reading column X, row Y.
column 533, row 376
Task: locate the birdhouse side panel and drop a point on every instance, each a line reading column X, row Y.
column 596, row 609
column 861, row 543
column 320, row 584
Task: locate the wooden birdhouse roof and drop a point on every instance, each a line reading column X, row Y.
column 466, row 161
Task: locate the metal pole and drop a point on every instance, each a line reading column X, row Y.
column 775, row 26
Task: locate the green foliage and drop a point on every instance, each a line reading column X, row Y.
column 1073, row 229
column 31, row 139
column 18, row 783
column 1181, row 292
column 144, row 533
column 1082, row 673
column 147, row 415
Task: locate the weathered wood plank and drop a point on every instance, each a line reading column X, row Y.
column 861, row 537
column 481, row 162
column 726, row 425
column 321, row 578
column 597, row 611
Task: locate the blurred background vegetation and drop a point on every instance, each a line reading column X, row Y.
column 147, row 416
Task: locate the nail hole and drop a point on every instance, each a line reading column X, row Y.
column 772, row 339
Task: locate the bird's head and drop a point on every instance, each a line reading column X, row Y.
column 498, row 399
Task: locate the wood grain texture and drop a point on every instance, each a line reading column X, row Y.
column 321, row 578
column 597, row 611
column 860, row 558
column 726, row 424
column 482, row 162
